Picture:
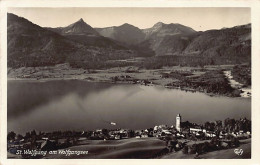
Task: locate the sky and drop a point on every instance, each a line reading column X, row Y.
column 200, row 19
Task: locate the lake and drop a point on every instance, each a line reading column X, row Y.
column 82, row 105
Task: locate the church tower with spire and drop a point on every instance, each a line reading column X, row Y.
column 178, row 122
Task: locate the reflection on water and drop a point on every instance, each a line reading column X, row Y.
column 80, row 105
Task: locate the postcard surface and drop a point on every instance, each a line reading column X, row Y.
column 96, row 81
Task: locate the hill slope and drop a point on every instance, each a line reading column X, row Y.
column 225, row 43
column 225, row 46
column 155, row 35
column 31, row 45
column 228, row 43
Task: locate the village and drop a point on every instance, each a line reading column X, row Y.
column 210, row 136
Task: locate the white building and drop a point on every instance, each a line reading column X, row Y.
column 196, row 130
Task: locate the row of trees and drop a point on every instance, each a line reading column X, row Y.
column 229, row 125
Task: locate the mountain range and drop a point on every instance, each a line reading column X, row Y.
column 81, row 45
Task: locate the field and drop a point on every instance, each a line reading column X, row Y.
column 143, row 148
column 117, row 149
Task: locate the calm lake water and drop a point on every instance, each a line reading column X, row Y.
column 81, row 105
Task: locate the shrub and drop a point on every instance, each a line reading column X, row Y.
column 185, row 150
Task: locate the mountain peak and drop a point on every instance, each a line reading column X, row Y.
column 126, row 24
column 79, row 27
column 81, row 20
column 159, row 24
column 125, row 33
column 161, row 29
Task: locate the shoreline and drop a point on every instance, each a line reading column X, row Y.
column 121, row 82
column 210, row 80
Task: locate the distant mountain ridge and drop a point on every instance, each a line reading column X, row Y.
column 125, row 33
column 144, row 40
column 161, row 29
column 132, row 35
column 155, row 35
column 32, row 45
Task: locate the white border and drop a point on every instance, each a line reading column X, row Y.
column 255, row 19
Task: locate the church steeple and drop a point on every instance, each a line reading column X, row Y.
column 178, row 122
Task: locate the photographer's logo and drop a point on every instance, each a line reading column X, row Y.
column 238, row 151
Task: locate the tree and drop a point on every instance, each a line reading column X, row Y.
column 27, row 136
column 218, row 127
column 19, row 137
column 131, row 133
column 105, row 132
column 218, row 123
column 115, row 79
column 11, row 135
column 209, row 126
column 33, row 133
column 229, row 125
column 185, row 150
